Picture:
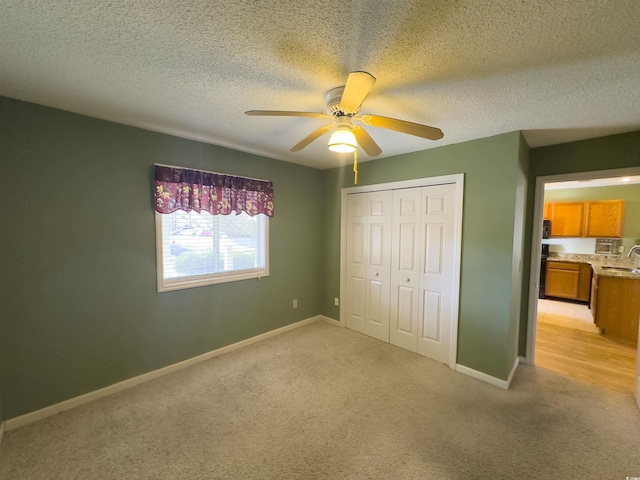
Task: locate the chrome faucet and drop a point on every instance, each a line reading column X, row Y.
column 635, row 250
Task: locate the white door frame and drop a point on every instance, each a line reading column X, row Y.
column 458, row 180
column 536, row 245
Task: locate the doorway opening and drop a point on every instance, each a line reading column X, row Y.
column 562, row 333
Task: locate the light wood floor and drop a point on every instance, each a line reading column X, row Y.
column 568, row 343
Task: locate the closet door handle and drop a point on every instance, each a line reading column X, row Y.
column 377, row 274
column 408, row 280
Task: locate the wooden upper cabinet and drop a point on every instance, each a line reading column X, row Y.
column 603, row 218
column 567, row 219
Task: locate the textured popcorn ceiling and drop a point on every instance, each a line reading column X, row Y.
column 559, row 70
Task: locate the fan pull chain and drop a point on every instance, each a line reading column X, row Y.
column 355, row 166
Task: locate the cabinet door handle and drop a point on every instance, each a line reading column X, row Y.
column 377, row 274
column 408, row 280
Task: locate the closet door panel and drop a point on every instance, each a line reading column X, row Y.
column 436, row 272
column 405, row 313
column 357, row 241
column 434, row 248
column 379, row 264
column 432, row 308
column 405, row 268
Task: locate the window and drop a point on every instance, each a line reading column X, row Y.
column 196, row 249
column 210, row 227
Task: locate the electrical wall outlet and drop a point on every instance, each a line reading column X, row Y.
column 336, row 302
column 295, row 303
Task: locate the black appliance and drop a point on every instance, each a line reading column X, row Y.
column 543, row 270
column 546, row 228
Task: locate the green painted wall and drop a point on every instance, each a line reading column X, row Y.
column 79, row 305
column 3, row 287
column 492, row 168
column 604, row 153
column 517, row 278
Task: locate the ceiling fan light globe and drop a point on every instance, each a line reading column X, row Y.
column 342, row 148
column 343, row 141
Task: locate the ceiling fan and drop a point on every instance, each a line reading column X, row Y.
column 343, row 105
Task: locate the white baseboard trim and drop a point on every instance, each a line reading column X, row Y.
column 513, row 371
column 331, row 321
column 504, row 384
column 523, row 360
column 45, row 412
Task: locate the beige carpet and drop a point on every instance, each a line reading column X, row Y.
column 322, row 402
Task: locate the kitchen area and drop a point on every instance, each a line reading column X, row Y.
column 589, row 289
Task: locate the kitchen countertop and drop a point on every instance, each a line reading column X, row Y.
column 599, row 261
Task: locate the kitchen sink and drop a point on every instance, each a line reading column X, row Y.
column 622, row 269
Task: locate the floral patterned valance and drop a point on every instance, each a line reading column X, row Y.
column 184, row 189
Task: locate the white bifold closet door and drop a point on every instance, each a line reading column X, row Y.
column 422, row 276
column 405, row 265
column 369, row 263
column 400, row 260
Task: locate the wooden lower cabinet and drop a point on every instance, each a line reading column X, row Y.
column 617, row 302
column 584, row 283
column 593, row 301
column 568, row 280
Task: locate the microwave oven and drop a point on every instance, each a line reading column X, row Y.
column 609, row 246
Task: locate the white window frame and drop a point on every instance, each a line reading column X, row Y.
column 168, row 285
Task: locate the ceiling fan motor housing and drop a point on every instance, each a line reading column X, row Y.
column 333, row 98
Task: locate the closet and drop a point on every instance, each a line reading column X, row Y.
column 400, row 281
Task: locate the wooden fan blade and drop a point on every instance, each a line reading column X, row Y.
column 403, row 126
column 283, row 113
column 311, row 137
column 366, row 142
column 355, row 91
